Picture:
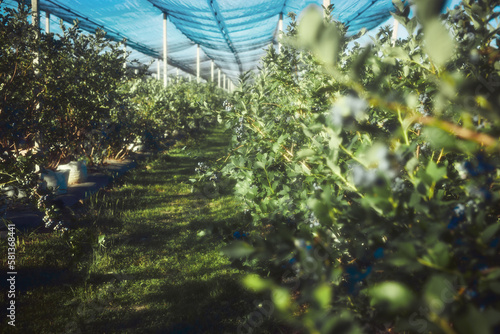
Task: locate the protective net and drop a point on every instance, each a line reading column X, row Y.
column 231, row 33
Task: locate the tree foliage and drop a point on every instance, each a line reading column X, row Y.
column 373, row 173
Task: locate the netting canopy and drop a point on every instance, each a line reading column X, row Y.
column 231, row 33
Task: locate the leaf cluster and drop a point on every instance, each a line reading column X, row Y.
column 373, row 172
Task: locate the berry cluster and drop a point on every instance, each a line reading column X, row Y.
column 202, row 168
column 240, row 130
column 227, row 105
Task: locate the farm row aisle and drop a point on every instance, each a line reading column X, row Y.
column 149, row 259
column 357, row 188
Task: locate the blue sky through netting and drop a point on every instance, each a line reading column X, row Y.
column 232, row 33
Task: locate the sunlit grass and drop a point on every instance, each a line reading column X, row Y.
column 141, row 260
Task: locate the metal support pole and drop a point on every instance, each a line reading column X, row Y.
column 280, row 31
column 35, row 14
column 165, row 69
column 35, row 17
column 125, row 55
column 218, row 80
column 224, row 82
column 47, row 22
column 177, row 74
column 395, row 32
column 35, row 20
column 158, row 69
column 198, row 64
column 212, row 69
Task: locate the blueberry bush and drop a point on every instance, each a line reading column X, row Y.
column 371, row 173
column 152, row 112
column 68, row 97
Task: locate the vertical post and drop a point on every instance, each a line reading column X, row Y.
column 224, row 82
column 280, row 31
column 218, row 80
column 212, row 69
column 47, row 22
column 158, row 69
column 165, row 69
column 177, row 74
column 35, row 14
column 35, row 20
column 198, row 64
column 395, row 32
column 125, row 54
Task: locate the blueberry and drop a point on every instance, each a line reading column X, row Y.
column 459, row 210
column 379, row 253
column 494, row 243
column 454, row 222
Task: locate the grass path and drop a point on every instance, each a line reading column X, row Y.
column 147, row 260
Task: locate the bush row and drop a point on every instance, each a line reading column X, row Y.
column 372, row 172
column 69, row 97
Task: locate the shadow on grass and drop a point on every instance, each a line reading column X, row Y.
column 176, row 280
column 195, row 306
column 167, row 167
column 30, row 278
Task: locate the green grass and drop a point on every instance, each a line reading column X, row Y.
column 146, row 258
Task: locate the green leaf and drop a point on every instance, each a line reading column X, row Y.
column 256, row 283
column 439, row 138
column 411, row 165
column 398, row 52
column 238, row 249
column 494, row 275
column 438, row 256
column 438, row 293
column 473, row 322
column 438, row 43
column 260, row 164
column 399, row 5
column 428, row 9
column 435, row 172
column 304, row 153
column 310, row 27
column 490, row 232
column 407, row 249
column 411, row 25
column 323, row 295
column 329, row 46
column 281, row 298
column 393, row 296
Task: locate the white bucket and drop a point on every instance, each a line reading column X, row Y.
column 77, row 171
column 58, row 181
